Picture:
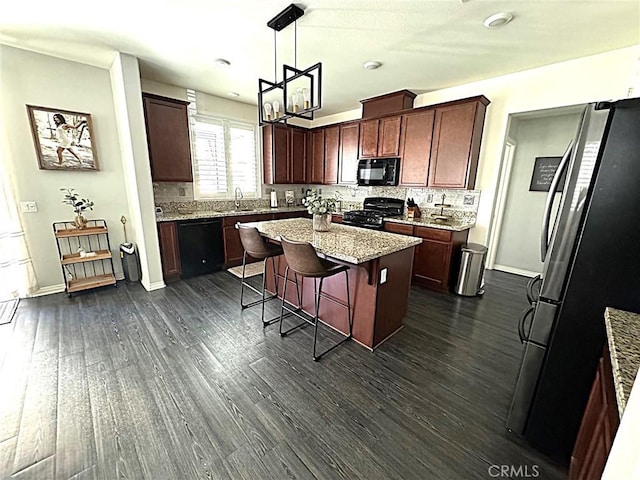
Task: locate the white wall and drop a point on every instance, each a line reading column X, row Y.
column 519, row 244
column 127, row 98
column 599, row 77
column 35, row 79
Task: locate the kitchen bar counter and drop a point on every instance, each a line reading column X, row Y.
column 171, row 217
column 380, row 265
column 623, row 336
column 342, row 242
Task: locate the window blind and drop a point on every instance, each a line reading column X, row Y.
column 225, row 157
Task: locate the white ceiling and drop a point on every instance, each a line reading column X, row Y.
column 424, row 45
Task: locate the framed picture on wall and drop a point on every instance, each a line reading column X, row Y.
column 544, row 169
column 63, row 139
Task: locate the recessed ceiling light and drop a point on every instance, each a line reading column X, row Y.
column 498, row 20
column 233, row 94
column 371, row 65
column 221, row 62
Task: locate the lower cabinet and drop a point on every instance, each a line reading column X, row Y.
column 169, row 251
column 170, row 255
column 598, row 427
column 437, row 258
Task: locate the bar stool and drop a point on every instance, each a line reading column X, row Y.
column 255, row 246
column 303, row 259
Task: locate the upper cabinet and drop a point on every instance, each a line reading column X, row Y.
column 349, row 137
column 168, row 138
column 331, row 154
column 284, row 153
column 455, row 147
column 438, row 147
column 315, row 159
column 417, row 129
column 380, row 137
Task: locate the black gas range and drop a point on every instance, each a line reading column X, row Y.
column 374, row 211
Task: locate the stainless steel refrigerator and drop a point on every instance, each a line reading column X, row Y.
column 591, row 261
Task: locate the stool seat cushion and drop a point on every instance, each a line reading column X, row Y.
column 255, row 245
column 303, row 259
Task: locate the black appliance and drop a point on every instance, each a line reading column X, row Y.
column 201, row 246
column 590, row 262
column 378, row 171
column 374, row 211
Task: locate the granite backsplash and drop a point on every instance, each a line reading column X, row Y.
column 178, row 198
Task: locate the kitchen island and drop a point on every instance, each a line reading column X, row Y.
column 379, row 276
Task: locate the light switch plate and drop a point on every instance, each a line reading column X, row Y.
column 28, row 207
column 383, row 276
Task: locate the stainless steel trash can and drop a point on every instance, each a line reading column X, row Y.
column 471, row 276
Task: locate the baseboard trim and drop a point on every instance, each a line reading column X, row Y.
column 49, row 290
column 515, row 271
column 154, row 286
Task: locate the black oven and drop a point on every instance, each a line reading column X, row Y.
column 378, row 171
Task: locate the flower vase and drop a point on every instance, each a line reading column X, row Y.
column 80, row 222
column 321, row 222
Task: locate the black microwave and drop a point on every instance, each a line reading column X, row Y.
column 378, row 171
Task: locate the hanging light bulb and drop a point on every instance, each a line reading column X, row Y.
column 267, row 110
column 276, row 109
column 307, row 98
column 295, row 100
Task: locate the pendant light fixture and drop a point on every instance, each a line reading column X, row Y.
column 299, row 92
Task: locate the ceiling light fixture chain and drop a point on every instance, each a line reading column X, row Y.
column 299, row 93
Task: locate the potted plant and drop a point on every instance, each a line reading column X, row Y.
column 321, row 209
column 71, row 197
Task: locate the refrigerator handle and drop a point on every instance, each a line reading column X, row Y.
column 532, row 296
column 521, row 332
column 544, row 234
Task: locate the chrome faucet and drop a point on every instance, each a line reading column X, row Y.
column 238, row 196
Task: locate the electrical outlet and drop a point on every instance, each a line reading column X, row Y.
column 182, row 192
column 28, row 207
column 383, row 276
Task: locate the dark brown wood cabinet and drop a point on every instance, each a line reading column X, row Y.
column 284, row 154
column 331, row 154
column 417, row 129
column 368, row 142
column 315, row 159
column 380, row 137
column 168, row 138
column 455, row 147
column 169, row 251
column 598, row 428
column 349, row 138
column 435, row 260
column 298, row 155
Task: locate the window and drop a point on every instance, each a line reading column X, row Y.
column 224, row 158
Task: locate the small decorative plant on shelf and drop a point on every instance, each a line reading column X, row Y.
column 71, row 197
column 321, row 209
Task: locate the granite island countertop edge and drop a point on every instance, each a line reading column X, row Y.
column 623, row 338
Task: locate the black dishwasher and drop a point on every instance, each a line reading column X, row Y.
column 201, row 247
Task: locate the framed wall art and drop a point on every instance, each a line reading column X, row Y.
column 544, row 169
column 63, row 139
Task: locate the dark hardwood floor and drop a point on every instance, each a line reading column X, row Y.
column 181, row 384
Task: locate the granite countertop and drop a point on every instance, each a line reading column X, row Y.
column 349, row 244
column 170, row 217
column 623, row 335
column 429, row 222
column 425, row 221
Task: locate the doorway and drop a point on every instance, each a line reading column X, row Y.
column 516, row 225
